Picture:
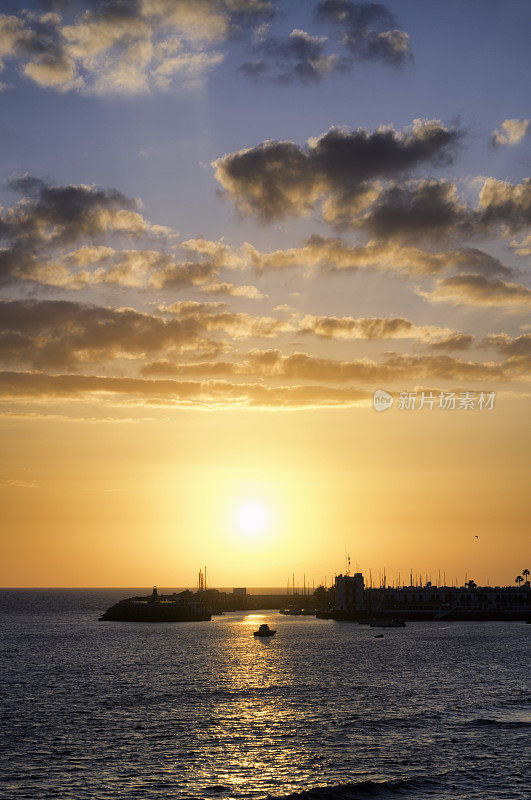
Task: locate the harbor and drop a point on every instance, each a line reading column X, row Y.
column 349, row 599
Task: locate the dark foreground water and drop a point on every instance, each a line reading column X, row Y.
column 205, row 710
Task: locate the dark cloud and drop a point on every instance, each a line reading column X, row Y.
column 353, row 175
column 431, row 209
column 427, row 209
column 369, row 31
column 64, row 213
column 37, row 232
column 300, row 56
column 276, row 179
column 51, row 216
column 58, row 333
column 254, row 69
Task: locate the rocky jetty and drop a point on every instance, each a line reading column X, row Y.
column 156, row 608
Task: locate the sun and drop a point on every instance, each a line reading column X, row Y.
column 252, row 518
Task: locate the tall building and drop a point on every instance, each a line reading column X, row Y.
column 349, row 592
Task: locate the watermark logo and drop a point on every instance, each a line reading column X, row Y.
column 428, row 400
column 448, row 401
column 381, row 400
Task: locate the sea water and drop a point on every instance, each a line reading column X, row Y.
column 206, row 710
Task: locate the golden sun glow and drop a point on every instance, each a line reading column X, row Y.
column 252, row 519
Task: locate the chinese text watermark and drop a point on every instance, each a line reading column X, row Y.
column 429, row 400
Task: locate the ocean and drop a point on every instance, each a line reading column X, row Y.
column 95, row 710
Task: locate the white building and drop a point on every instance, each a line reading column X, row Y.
column 349, row 592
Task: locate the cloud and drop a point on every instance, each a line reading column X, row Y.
column 477, row 290
column 368, row 30
column 507, row 204
column 426, row 209
column 352, row 15
column 455, row 341
column 214, row 317
column 254, row 70
column 522, row 248
column 250, row 292
column 391, row 47
column 277, row 179
column 432, row 209
column 52, row 335
column 65, row 237
column 126, row 268
column 360, row 32
column 328, row 327
column 51, row 216
column 57, row 333
column 35, row 42
column 509, row 346
column 511, row 132
column 17, row 484
column 224, row 386
column 331, row 254
column 299, row 56
column 274, row 365
column 60, row 214
column 37, row 235
column 196, row 394
column 179, row 275
column 117, row 46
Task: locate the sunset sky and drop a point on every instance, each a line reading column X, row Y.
column 224, row 224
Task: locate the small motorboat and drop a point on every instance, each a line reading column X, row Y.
column 264, row 630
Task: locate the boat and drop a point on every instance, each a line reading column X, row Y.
column 388, row 623
column 264, row 630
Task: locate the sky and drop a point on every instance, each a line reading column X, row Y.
column 224, row 225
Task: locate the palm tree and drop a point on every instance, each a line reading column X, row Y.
column 518, row 580
column 525, row 573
